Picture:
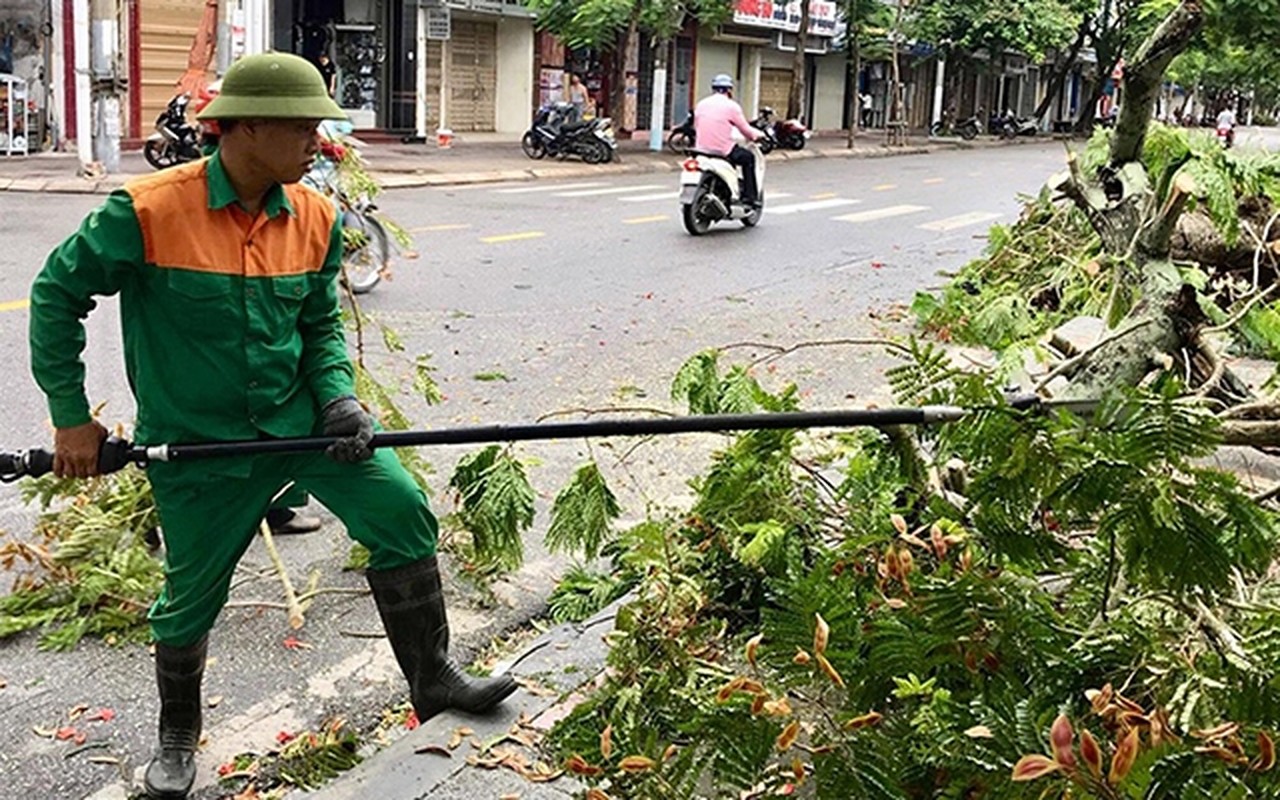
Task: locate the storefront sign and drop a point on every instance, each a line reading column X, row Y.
column 439, row 23
column 785, row 16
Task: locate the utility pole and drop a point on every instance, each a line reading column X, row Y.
column 80, row 61
column 657, row 109
column 107, row 83
column 938, row 82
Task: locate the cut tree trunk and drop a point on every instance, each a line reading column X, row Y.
column 1154, row 318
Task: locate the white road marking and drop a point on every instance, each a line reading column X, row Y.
column 881, row 213
column 960, row 221
column 615, row 190
column 812, row 205
column 545, row 188
column 648, row 198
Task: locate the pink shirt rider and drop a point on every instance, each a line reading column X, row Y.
column 712, row 119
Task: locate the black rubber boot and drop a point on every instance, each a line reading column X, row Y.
column 179, row 671
column 411, row 604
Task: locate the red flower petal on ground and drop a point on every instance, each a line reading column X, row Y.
column 101, row 715
column 411, row 721
column 284, row 737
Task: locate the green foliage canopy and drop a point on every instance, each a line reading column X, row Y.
column 600, row 23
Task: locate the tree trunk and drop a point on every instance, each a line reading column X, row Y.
column 618, row 93
column 1108, row 60
column 1145, row 76
column 855, row 75
column 895, row 101
column 1154, row 318
column 1059, row 78
column 795, row 98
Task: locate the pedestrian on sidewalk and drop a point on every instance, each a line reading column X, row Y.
column 576, row 94
column 227, row 272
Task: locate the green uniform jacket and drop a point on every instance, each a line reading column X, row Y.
column 232, row 328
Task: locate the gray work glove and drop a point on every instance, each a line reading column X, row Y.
column 345, row 417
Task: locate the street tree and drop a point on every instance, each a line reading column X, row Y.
column 1167, row 237
column 1230, row 60
column 860, row 16
column 980, row 32
column 617, row 25
column 795, row 97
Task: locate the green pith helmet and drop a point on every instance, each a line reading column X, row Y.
column 272, row 86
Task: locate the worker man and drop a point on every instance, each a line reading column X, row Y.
column 227, row 272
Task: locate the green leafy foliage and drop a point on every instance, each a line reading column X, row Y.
column 1050, row 265
column 1040, row 272
column 91, row 573
column 598, row 23
column 823, row 620
column 583, row 513
column 497, row 504
column 305, row 762
column 581, row 593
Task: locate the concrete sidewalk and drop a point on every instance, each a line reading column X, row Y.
column 556, row 672
column 473, row 158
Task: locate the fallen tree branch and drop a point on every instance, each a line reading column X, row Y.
column 1250, row 433
column 1264, row 409
column 1239, row 315
column 296, row 620
column 777, row 351
column 1079, row 358
column 1261, row 245
column 303, row 599
column 1157, row 238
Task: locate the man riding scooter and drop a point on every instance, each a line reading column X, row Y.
column 1227, row 127
column 714, row 120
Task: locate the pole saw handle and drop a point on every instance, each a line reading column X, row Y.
column 112, row 456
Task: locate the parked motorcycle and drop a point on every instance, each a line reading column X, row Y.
column 710, row 191
column 682, row 137
column 967, row 129
column 367, row 252
column 557, row 132
column 1011, row 127
column 175, row 141
column 789, row 134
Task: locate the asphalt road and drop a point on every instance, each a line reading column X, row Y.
column 532, row 299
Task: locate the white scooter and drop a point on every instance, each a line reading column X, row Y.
column 710, row 189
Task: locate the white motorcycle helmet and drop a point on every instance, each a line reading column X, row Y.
column 722, row 83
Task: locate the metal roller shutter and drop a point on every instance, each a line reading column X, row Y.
column 473, row 75
column 167, row 29
column 775, row 86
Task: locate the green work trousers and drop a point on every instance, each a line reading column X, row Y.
column 210, row 512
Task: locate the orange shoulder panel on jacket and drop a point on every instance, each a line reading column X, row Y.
column 178, row 228
column 180, row 231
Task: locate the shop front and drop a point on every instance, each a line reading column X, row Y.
column 25, row 52
column 412, row 66
column 758, row 47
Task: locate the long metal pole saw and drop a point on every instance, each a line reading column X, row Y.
column 116, row 453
